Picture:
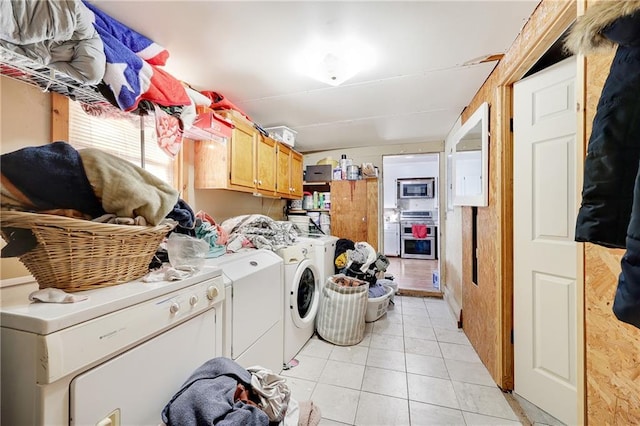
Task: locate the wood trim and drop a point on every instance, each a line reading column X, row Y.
column 491, row 312
column 59, row 117
column 556, row 17
column 581, row 141
column 504, row 114
column 581, row 149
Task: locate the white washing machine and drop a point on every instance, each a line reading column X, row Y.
column 116, row 358
column 324, row 247
column 301, row 297
column 253, row 329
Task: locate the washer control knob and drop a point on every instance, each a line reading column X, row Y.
column 174, row 308
column 212, row 292
column 193, row 300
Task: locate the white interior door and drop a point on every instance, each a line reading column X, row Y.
column 545, row 255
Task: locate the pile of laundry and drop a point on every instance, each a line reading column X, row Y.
column 258, row 231
column 360, row 260
column 222, row 392
column 85, row 184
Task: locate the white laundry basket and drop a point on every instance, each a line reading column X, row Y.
column 377, row 306
column 340, row 319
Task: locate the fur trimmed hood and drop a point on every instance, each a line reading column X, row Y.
column 586, row 34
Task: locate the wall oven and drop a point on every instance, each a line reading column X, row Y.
column 418, row 234
column 418, row 240
column 415, row 188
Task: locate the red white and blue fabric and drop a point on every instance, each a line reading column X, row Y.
column 131, row 71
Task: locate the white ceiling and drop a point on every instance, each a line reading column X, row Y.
column 414, row 93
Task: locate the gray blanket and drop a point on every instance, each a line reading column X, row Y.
column 207, row 398
column 56, row 33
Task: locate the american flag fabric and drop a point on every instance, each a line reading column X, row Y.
column 132, row 71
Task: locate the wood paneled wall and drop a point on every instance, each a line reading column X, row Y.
column 488, row 306
column 612, row 348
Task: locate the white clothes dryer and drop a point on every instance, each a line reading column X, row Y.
column 324, row 247
column 117, row 357
column 301, row 297
column 253, row 332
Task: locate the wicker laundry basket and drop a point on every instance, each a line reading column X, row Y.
column 75, row 255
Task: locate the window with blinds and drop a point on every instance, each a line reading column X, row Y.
column 127, row 136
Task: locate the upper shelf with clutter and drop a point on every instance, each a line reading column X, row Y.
column 76, row 50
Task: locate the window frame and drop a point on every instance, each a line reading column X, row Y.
column 60, row 125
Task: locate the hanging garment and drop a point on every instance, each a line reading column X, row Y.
column 610, row 210
column 419, row 231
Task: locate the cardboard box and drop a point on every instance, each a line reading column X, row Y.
column 318, row 173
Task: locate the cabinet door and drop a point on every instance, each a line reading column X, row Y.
column 349, row 209
column 372, row 188
column 266, row 165
column 283, row 170
column 210, row 164
column 296, row 174
column 242, row 157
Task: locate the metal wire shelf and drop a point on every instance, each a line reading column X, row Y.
column 19, row 67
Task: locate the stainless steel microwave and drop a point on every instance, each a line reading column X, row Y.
column 415, row 188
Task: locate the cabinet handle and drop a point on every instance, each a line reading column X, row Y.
column 259, row 182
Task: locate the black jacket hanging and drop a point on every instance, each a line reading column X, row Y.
column 610, row 210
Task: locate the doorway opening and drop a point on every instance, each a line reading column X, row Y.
column 410, row 208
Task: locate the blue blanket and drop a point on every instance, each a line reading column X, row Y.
column 51, row 177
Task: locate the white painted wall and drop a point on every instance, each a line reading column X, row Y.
column 451, row 228
column 393, row 170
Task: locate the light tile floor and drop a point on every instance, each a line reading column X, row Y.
column 413, row 367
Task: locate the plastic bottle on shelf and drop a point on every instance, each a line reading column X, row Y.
column 343, row 167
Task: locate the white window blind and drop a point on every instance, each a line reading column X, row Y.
column 121, row 136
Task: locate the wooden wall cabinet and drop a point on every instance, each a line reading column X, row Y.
column 289, row 172
column 354, row 210
column 245, row 163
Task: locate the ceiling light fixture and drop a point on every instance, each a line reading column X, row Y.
column 335, row 62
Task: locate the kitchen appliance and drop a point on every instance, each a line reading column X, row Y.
column 253, row 309
column 116, row 358
column 418, row 235
column 324, row 247
column 301, row 297
column 415, row 188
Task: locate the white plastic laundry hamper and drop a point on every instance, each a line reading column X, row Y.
column 340, row 319
column 377, row 306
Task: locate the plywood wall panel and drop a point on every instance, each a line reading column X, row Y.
column 481, row 310
column 612, row 347
column 487, row 308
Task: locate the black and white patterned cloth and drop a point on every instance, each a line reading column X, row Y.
column 259, row 231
